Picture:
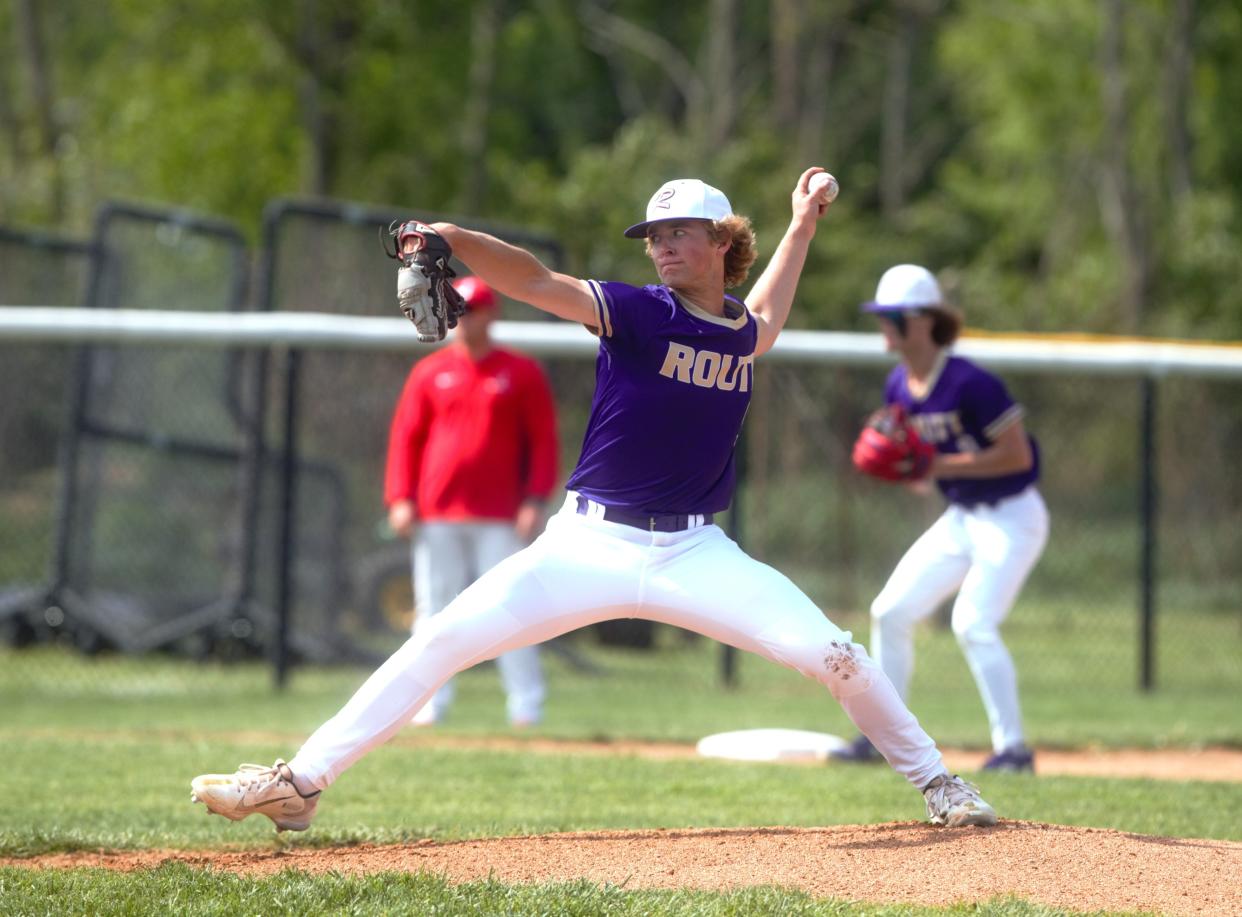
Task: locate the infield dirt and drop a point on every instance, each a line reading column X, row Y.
column 1080, row 869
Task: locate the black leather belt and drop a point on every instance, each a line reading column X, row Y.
column 991, row 504
column 661, row 522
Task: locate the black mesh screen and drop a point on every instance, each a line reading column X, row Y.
column 153, row 476
column 36, row 269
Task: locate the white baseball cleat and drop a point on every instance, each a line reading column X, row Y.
column 256, row 789
column 954, row 803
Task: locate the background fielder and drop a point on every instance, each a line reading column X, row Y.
column 995, row 526
column 635, row 536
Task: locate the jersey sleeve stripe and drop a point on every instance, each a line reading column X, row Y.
column 1004, row 422
column 603, row 320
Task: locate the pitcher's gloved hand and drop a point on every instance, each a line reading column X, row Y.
column 424, row 293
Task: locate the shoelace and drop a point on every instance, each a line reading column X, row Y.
column 952, row 791
column 259, row 775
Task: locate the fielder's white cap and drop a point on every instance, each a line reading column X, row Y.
column 683, row 199
column 905, row 287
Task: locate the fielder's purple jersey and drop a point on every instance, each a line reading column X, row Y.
column 672, row 384
column 964, row 410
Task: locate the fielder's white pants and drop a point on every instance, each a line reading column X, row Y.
column 448, row 557
column 583, row 570
column 984, row 554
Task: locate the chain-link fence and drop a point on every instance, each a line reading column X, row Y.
column 838, row 536
column 182, row 534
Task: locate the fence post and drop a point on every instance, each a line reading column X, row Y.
column 1148, row 519
column 288, row 499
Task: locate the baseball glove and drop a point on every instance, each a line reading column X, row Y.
column 890, row 448
column 423, row 290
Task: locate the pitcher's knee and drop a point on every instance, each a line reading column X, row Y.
column 881, row 608
column 847, row 669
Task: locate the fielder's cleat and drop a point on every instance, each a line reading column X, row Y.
column 954, row 803
column 860, row 751
column 1019, row 758
column 256, row 789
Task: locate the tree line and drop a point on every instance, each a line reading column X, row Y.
column 1068, row 166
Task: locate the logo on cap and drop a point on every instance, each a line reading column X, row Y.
column 661, row 198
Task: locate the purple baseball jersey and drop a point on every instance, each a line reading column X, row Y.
column 672, row 384
column 964, row 410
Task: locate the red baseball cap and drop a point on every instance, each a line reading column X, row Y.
column 476, row 293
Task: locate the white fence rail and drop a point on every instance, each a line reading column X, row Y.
column 319, row 330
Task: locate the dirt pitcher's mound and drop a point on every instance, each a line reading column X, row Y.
column 1075, row 868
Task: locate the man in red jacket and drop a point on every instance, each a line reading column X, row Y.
column 472, row 459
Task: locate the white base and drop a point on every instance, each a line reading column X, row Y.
column 770, row 745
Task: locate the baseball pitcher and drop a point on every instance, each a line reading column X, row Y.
column 636, row 535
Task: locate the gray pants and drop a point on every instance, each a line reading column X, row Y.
column 448, row 557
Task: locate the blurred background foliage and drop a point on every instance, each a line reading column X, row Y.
column 1069, row 166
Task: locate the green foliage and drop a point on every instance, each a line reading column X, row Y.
column 222, row 105
column 1204, row 263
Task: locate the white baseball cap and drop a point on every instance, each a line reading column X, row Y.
column 905, row 287
column 683, row 199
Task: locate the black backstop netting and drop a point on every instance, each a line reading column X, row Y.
column 152, row 537
column 36, row 269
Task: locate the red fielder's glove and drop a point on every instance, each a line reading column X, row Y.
column 889, row 447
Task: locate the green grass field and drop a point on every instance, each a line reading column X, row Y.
column 101, row 751
column 190, row 892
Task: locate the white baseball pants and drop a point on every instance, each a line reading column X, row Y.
column 984, row 554
column 583, row 570
column 448, row 557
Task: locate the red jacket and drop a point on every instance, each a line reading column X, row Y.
column 472, row 440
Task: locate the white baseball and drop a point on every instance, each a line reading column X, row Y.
column 824, row 185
